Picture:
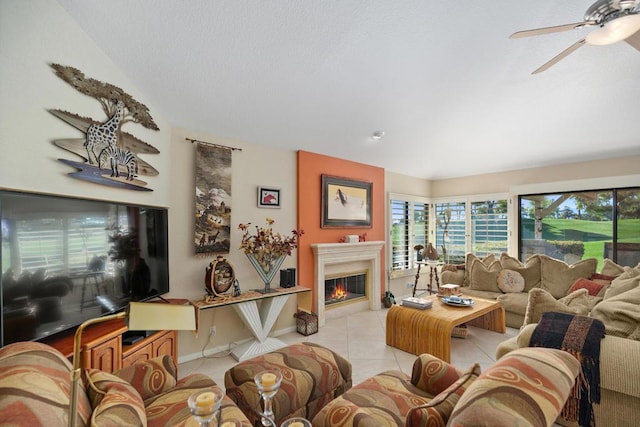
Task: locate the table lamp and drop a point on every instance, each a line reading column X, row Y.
column 140, row 316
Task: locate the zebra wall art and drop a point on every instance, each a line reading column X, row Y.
column 115, row 156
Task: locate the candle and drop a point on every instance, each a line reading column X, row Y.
column 229, row 424
column 268, row 380
column 296, row 424
column 206, row 399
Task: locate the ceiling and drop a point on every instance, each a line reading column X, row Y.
column 453, row 94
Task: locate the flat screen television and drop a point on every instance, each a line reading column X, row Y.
column 66, row 260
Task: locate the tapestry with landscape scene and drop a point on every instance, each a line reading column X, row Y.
column 213, row 199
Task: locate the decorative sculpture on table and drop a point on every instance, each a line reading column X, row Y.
column 267, row 250
column 219, row 278
column 111, row 155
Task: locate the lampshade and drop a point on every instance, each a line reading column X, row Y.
column 158, row 316
column 140, row 316
column 615, row 30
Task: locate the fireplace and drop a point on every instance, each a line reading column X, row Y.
column 345, row 289
column 333, row 260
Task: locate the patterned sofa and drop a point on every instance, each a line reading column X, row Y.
column 619, row 377
column 35, row 388
column 312, row 376
column 528, row 387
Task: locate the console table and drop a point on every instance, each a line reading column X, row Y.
column 259, row 319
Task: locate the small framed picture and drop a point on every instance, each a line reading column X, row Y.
column 268, row 197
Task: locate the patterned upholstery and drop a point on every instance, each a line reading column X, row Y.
column 393, row 399
column 121, row 405
column 312, row 376
column 527, row 387
column 170, row 409
column 154, row 377
column 35, row 388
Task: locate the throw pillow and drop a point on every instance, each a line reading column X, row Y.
column 592, row 287
column 438, row 410
column 530, row 269
column 526, row 387
column 620, row 314
column 483, row 277
column 557, row 276
column 120, row 404
column 510, row 281
column 604, row 280
column 610, row 268
column 151, row 377
column 469, row 261
column 625, row 282
column 433, row 375
column 487, row 260
column 541, row 301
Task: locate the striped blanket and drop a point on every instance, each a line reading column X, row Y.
column 580, row 336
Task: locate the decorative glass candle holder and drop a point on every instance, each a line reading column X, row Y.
column 268, row 383
column 205, row 406
column 296, row 422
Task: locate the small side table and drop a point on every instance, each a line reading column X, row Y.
column 433, row 271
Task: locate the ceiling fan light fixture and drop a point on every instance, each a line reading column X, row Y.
column 615, row 30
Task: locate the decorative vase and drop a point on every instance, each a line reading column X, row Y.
column 267, row 266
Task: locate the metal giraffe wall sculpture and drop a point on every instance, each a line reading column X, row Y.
column 110, row 156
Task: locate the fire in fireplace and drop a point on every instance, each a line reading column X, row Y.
column 345, row 288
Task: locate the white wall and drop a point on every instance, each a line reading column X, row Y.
column 34, row 34
column 253, row 166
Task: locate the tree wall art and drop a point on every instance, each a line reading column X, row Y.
column 109, row 156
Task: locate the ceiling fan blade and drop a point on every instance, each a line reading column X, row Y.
column 634, row 40
column 560, row 56
column 548, row 30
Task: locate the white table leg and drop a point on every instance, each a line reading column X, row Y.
column 260, row 322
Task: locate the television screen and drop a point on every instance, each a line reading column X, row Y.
column 66, row 260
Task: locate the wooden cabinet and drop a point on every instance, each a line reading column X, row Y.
column 106, row 356
column 159, row 344
column 102, row 346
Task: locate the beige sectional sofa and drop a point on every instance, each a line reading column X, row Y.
column 509, row 281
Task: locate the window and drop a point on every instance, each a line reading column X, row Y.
column 59, row 244
column 409, row 226
column 451, row 230
column 582, row 224
column 479, row 226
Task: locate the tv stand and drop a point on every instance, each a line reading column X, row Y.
column 104, row 346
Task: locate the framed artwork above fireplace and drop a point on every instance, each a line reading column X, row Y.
column 345, row 202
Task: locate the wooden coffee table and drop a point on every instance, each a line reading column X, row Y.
column 429, row 331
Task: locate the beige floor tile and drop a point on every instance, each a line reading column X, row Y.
column 360, row 337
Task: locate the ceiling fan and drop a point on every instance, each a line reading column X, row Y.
column 616, row 20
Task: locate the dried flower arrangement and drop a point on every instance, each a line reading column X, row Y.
column 265, row 245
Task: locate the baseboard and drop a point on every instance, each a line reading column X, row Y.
column 225, row 347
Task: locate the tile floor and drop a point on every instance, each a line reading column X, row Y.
column 360, row 338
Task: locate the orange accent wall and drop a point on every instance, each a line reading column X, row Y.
column 311, row 166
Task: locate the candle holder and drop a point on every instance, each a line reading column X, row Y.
column 268, row 383
column 296, row 422
column 205, row 406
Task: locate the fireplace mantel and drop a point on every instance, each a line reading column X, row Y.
column 345, row 253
